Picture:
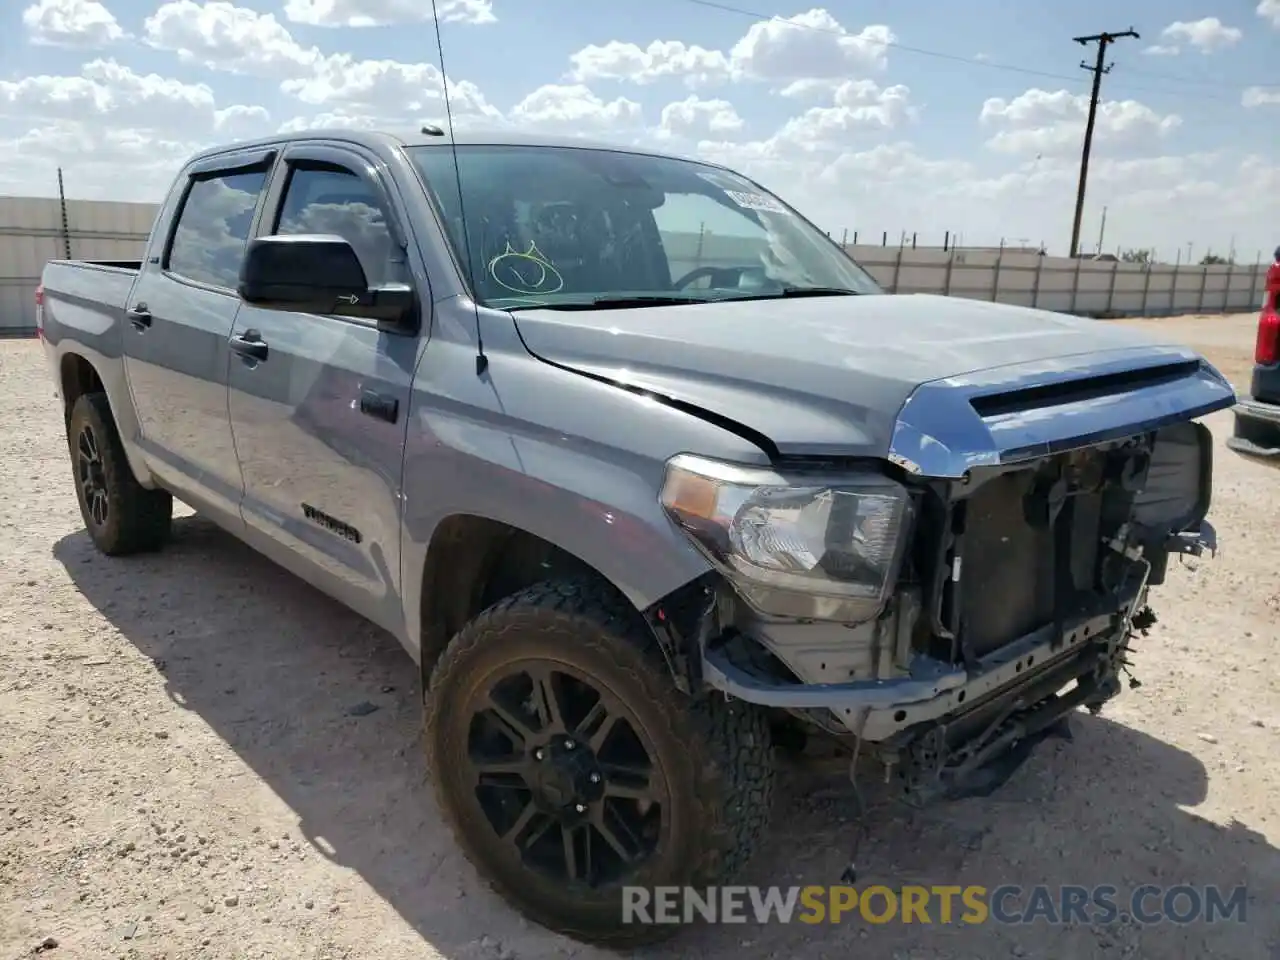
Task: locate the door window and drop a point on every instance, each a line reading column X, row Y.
column 336, row 201
column 213, row 227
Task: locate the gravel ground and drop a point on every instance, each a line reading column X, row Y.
column 183, row 775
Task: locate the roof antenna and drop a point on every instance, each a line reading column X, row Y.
column 482, row 362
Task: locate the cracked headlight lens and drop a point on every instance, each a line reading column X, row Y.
column 804, row 545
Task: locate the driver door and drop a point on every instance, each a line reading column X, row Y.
column 318, row 403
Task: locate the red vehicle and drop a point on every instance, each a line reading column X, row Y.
column 1257, row 430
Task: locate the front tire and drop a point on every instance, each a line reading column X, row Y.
column 568, row 765
column 120, row 515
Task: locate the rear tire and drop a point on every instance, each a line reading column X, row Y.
column 641, row 785
column 120, row 515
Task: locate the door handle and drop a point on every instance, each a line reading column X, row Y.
column 379, row 406
column 250, row 345
column 139, row 316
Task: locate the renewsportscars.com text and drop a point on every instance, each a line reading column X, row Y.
column 1007, row 904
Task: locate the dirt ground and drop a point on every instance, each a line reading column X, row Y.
column 183, row 776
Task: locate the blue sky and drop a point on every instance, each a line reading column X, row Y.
column 869, row 116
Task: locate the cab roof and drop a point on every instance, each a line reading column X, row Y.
column 381, row 139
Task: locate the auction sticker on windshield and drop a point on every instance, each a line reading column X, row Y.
column 755, row 201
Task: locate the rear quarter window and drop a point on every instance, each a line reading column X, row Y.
column 213, row 227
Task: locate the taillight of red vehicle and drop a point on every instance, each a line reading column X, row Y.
column 1267, row 350
column 40, row 311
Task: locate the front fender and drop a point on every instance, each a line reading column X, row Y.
column 486, row 447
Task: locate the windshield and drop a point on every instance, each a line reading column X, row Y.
column 568, row 226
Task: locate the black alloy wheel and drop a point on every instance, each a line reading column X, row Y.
column 569, row 766
column 563, row 776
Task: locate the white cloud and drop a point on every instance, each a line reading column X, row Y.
column 407, row 88
column 241, row 122
column 1162, row 50
column 571, row 107
column 351, row 92
column 1207, row 35
column 896, row 162
column 693, row 117
column 384, row 94
column 1040, row 121
column 370, row 13
column 223, row 36
column 1260, row 97
column 860, row 111
column 112, row 94
column 859, row 105
column 110, row 118
column 1270, row 10
column 616, row 60
column 810, row 45
column 93, row 157
column 330, row 121
column 71, row 23
column 809, row 87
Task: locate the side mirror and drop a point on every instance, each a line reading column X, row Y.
column 321, row 273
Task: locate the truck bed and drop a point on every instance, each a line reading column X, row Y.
column 86, row 299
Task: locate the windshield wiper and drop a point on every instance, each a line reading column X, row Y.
column 661, row 300
column 615, row 303
column 789, row 292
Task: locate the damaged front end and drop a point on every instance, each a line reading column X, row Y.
column 956, row 601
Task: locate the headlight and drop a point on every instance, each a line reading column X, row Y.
column 810, row 546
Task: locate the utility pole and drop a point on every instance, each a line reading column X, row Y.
column 1098, row 69
column 1102, row 229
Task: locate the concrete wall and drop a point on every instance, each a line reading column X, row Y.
column 31, row 232
column 1084, row 287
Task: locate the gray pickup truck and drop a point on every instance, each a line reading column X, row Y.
column 647, row 475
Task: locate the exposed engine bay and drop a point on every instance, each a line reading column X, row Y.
column 1011, row 601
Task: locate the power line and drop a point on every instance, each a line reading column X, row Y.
column 1120, row 78
column 937, row 54
column 1197, row 81
column 1100, row 67
column 953, row 57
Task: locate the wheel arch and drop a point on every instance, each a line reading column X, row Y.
column 471, row 562
column 76, row 377
column 80, row 373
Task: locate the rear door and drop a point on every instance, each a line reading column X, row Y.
column 320, row 416
column 180, row 314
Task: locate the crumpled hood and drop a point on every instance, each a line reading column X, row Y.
column 822, row 375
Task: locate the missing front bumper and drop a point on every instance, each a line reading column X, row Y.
column 875, row 710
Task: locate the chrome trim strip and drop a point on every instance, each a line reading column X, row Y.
column 939, row 434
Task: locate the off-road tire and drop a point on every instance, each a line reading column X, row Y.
column 137, row 520
column 717, row 753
